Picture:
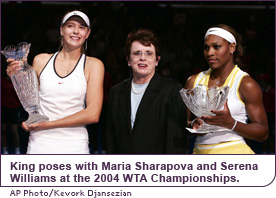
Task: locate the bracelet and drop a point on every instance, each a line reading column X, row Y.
column 234, row 125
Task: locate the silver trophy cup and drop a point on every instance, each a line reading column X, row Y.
column 25, row 82
column 201, row 100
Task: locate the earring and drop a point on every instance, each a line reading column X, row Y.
column 85, row 45
column 232, row 53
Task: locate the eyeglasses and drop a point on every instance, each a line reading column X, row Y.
column 147, row 54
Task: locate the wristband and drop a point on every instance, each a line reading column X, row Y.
column 234, row 125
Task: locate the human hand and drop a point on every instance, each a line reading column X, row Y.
column 196, row 123
column 34, row 127
column 13, row 66
column 222, row 118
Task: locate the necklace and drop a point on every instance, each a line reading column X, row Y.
column 220, row 81
column 67, row 70
column 137, row 92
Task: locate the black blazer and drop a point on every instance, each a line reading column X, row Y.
column 160, row 122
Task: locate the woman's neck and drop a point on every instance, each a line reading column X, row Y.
column 142, row 80
column 219, row 76
column 222, row 72
column 70, row 55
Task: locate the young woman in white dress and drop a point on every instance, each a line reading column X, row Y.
column 71, row 91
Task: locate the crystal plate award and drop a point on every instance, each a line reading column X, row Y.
column 201, row 100
column 25, row 82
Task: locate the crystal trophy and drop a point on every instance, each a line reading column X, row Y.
column 25, row 82
column 201, row 100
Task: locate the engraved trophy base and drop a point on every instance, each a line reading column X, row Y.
column 36, row 117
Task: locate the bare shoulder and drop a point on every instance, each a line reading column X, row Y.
column 94, row 68
column 44, row 57
column 249, row 88
column 93, row 64
column 190, row 82
column 41, row 60
column 93, row 61
column 248, row 83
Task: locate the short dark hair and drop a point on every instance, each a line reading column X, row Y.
column 144, row 36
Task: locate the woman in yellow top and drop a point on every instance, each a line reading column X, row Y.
column 243, row 115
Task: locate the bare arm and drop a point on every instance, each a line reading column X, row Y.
column 253, row 98
column 251, row 94
column 38, row 63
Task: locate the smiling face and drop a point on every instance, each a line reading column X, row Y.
column 74, row 32
column 217, row 51
column 143, row 61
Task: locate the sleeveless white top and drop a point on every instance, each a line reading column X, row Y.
column 59, row 98
column 235, row 105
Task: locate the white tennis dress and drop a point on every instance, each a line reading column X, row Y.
column 59, row 98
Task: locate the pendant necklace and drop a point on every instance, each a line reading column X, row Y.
column 67, row 71
column 220, row 81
